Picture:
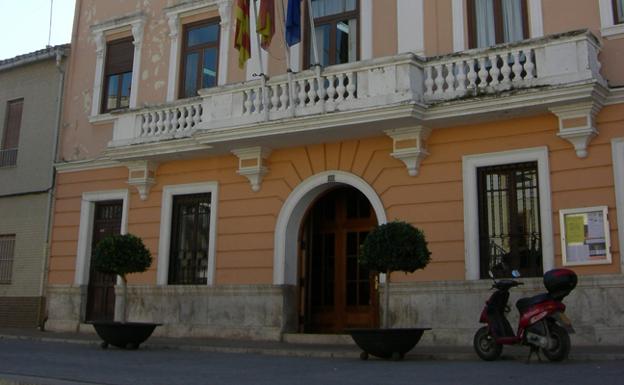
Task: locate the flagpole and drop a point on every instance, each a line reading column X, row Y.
column 289, row 71
column 263, row 77
column 255, row 11
column 313, row 35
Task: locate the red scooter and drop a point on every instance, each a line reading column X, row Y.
column 543, row 324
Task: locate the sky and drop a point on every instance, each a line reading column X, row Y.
column 24, row 25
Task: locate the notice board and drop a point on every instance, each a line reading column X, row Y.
column 585, row 236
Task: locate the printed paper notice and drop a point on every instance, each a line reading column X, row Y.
column 575, row 229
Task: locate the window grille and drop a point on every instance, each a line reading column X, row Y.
column 7, row 249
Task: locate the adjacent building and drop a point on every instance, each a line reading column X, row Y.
column 495, row 126
column 30, row 110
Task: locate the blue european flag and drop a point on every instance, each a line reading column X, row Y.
column 293, row 22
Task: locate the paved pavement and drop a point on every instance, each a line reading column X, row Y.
column 26, row 361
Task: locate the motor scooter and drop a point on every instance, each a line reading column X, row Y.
column 542, row 325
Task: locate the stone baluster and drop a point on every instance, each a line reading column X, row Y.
column 439, row 80
column 472, row 74
column 247, row 104
column 529, row 65
column 274, row 97
column 167, row 121
column 331, row 91
column 197, row 116
column 144, row 125
column 181, row 118
column 341, row 88
column 257, row 100
column 428, row 81
column 450, row 79
column 483, row 73
column 461, row 77
column 351, row 88
column 189, row 117
column 152, row 124
column 505, row 70
column 284, row 96
column 517, row 67
column 302, row 93
column 494, row 71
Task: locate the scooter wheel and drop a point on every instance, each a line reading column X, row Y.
column 485, row 345
column 560, row 344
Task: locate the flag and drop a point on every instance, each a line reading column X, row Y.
column 242, row 42
column 293, row 22
column 265, row 25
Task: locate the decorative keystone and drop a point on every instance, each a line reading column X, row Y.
column 577, row 124
column 251, row 164
column 409, row 146
column 142, row 175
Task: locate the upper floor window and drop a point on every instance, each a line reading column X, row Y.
column 118, row 74
column 336, row 30
column 493, row 22
column 10, row 138
column 618, row 11
column 200, row 57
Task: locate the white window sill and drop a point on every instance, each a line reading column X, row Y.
column 101, row 119
column 613, row 32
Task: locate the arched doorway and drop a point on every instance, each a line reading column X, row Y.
column 335, row 292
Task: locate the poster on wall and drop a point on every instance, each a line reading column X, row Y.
column 585, row 236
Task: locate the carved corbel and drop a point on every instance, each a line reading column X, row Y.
column 174, row 25
column 137, row 33
column 577, row 124
column 142, row 175
column 251, row 164
column 409, row 146
column 100, row 44
column 225, row 12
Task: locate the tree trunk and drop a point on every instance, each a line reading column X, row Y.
column 386, row 318
column 124, row 299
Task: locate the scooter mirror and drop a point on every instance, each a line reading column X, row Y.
column 515, row 274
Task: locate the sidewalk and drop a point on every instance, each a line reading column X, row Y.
column 334, row 350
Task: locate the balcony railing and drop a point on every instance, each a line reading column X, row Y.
column 558, row 60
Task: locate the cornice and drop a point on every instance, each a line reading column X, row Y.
column 85, row 165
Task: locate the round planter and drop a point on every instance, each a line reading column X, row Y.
column 124, row 335
column 386, row 343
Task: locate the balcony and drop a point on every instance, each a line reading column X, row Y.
column 343, row 100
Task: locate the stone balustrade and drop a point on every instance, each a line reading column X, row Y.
column 558, row 61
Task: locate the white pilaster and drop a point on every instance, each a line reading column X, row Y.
column 225, row 13
column 411, row 26
column 100, row 51
column 536, row 20
column 174, row 53
column 137, row 35
column 366, row 17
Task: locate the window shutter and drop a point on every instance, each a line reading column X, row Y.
column 13, row 123
column 119, row 56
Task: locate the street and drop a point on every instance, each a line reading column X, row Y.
column 32, row 362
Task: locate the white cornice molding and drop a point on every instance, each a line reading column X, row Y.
column 616, row 96
column 119, row 23
column 85, row 165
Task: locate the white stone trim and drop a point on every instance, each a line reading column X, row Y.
column 536, row 19
column 366, row 29
column 617, row 152
column 609, row 29
column 174, row 14
column 84, row 165
column 411, row 26
column 285, row 257
column 135, row 24
column 470, row 164
column 165, row 226
column 459, row 26
column 85, row 231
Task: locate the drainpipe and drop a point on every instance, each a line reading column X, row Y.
column 43, row 313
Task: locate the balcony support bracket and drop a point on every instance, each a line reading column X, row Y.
column 142, row 175
column 409, row 146
column 577, row 124
column 252, row 164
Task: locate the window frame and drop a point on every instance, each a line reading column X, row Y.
column 616, row 17
column 164, row 243
column 498, row 22
column 332, row 20
column 184, row 50
column 9, row 259
column 105, row 77
column 8, row 155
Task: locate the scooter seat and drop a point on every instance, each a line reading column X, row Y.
column 523, row 304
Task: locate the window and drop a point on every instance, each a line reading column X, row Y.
column 509, row 220
column 10, row 139
column 618, row 11
column 336, row 30
column 200, row 57
column 7, row 248
column 118, row 74
column 493, row 22
column 190, row 239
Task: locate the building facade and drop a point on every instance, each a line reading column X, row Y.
column 486, row 123
column 30, row 107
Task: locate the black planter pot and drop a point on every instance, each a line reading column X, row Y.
column 386, row 343
column 124, row 335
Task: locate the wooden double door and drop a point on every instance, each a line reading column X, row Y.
column 336, row 293
column 101, row 288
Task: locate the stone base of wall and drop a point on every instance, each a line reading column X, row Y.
column 20, row 312
column 64, row 308
column 452, row 309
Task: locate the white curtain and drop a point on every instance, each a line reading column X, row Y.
column 486, row 35
column 513, row 30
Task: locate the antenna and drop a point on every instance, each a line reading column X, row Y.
column 50, row 26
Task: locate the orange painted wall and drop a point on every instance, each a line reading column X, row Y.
column 433, row 200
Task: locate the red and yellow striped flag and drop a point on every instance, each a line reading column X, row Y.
column 265, row 25
column 242, row 42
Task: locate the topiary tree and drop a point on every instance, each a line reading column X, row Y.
column 121, row 255
column 394, row 246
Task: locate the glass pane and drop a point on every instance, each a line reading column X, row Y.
column 209, row 70
column 126, row 83
column 202, row 35
column 190, row 75
column 322, row 40
column 620, row 11
column 513, row 28
column 112, row 92
column 346, row 41
column 321, row 8
column 484, row 23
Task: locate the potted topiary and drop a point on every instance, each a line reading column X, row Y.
column 394, row 246
column 122, row 255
